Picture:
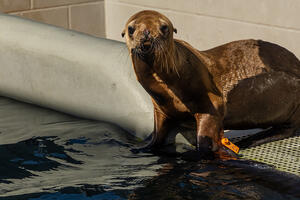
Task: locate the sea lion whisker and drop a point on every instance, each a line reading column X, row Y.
column 160, row 56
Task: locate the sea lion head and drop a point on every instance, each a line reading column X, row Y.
column 146, row 30
column 149, row 33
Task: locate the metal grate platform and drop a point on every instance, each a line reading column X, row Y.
column 284, row 155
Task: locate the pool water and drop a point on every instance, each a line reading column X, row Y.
column 45, row 154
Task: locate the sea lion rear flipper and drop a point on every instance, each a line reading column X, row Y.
column 270, row 135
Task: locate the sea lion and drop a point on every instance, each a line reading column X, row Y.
column 240, row 85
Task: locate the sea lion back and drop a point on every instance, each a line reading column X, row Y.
column 239, row 60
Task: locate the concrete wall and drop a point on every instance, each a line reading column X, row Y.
column 81, row 15
column 208, row 23
column 203, row 23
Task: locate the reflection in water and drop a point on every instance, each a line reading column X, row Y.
column 217, row 180
column 49, row 155
column 35, row 154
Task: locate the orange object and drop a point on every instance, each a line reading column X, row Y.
column 230, row 145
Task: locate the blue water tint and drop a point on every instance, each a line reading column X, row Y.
column 60, row 196
column 181, row 185
column 58, row 155
column 81, row 140
column 38, row 154
column 16, row 159
column 30, row 162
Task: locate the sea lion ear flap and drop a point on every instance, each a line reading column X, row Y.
column 123, row 33
column 175, row 30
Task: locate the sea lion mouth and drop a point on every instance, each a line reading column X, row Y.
column 147, row 43
column 146, row 47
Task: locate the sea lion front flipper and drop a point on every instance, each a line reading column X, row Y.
column 209, row 129
column 226, row 154
column 162, row 126
column 143, row 147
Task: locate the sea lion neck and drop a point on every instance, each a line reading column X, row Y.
column 166, row 60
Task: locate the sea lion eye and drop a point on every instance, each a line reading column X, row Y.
column 130, row 30
column 164, row 28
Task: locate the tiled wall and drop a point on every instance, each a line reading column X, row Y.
column 203, row 23
column 82, row 15
column 208, row 23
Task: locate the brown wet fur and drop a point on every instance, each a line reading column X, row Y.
column 240, row 85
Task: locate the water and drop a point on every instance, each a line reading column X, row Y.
column 49, row 155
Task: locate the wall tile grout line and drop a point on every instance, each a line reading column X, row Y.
column 70, row 4
column 69, row 17
column 86, row 3
column 57, row 7
column 31, row 4
column 43, row 9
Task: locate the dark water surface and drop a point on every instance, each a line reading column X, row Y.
column 49, row 155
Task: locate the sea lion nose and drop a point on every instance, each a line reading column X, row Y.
column 146, row 33
column 146, row 41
